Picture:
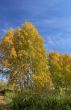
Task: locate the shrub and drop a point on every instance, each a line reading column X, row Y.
column 33, row 101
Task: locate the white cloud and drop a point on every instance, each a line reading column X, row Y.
column 58, row 41
column 58, row 22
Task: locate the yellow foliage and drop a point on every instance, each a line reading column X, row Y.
column 42, row 80
column 5, row 39
column 13, row 52
column 29, row 28
column 5, row 62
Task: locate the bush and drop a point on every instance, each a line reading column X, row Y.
column 30, row 101
column 9, row 96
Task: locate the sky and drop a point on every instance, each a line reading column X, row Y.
column 52, row 18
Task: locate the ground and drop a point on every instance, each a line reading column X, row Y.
column 3, row 103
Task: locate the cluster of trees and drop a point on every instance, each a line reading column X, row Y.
column 23, row 54
column 24, row 61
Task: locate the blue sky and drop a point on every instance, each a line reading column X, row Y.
column 52, row 18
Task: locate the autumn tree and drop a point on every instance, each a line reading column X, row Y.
column 54, row 68
column 24, row 54
column 60, row 68
column 65, row 59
